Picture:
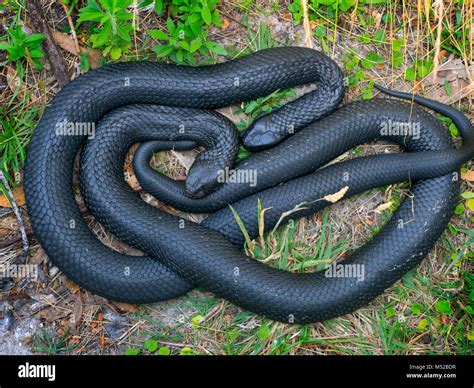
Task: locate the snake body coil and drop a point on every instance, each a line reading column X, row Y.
column 167, row 106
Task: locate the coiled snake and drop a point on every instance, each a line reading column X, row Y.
column 165, row 106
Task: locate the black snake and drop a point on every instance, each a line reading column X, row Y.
column 165, row 106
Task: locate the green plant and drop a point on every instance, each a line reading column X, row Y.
column 419, row 70
column 47, row 344
column 17, row 122
column 113, row 29
column 187, row 30
column 21, row 47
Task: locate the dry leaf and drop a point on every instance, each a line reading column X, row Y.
column 18, row 196
column 52, row 314
column 468, row 175
column 379, row 209
column 66, row 42
column 71, row 286
column 131, row 179
column 78, row 309
column 38, row 257
column 126, row 307
column 225, row 24
column 450, row 71
column 186, row 159
column 333, row 198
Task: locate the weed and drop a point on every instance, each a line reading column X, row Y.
column 187, row 31
column 112, row 27
column 22, row 48
column 47, row 344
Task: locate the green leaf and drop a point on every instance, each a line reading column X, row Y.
column 410, row 74
column 186, row 352
column 184, row 45
column 103, row 37
column 196, row 321
column 344, row 5
column 371, row 60
column 162, row 51
column 215, row 48
column 447, row 88
column 151, row 345
column 159, row 7
column 320, row 31
column 470, row 204
column 417, row 308
column 390, row 312
column 467, row 195
column 115, row 53
column 263, row 332
column 164, row 351
column 397, row 59
column 89, row 13
column 424, row 70
column 35, row 38
column 397, row 44
column 232, row 334
column 195, row 18
column 206, row 15
column 132, row 352
column 124, row 32
column 158, row 34
column 459, row 209
column 443, row 307
column 195, row 45
column 170, row 25
column 423, row 324
column 36, row 54
column 379, row 37
column 180, row 56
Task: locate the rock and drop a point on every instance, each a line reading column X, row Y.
column 15, row 343
column 6, row 283
column 6, row 319
column 114, row 324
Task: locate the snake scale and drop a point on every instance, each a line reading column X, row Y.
column 164, row 106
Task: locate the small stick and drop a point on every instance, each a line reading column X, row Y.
column 14, row 238
column 71, row 26
column 52, row 53
column 307, row 28
column 439, row 8
column 16, row 210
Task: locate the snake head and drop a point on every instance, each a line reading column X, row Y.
column 203, row 179
column 261, row 134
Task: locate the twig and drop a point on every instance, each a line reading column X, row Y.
column 14, row 238
column 71, row 26
column 439, row 8
column 307, row 28
column 16, row 210
column 52, row 53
